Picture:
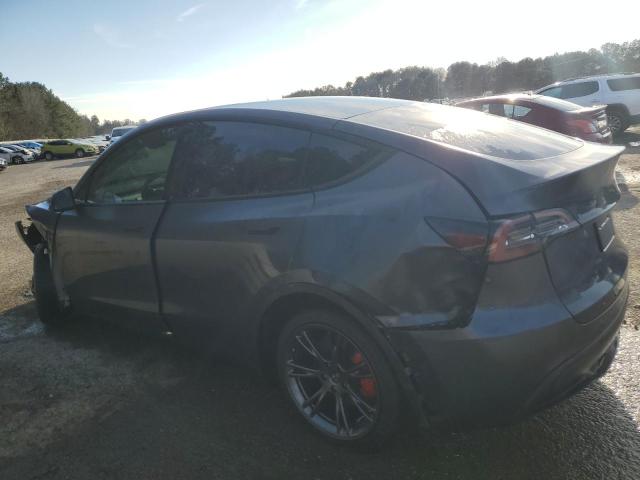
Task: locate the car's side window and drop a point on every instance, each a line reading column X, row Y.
column 331, row 158
column 555, row 92
column 508, row 110
column 520, row 111
column 221, row 159
column 581, row 89
column 621, row 84
column 135, row 171
column 500, row 109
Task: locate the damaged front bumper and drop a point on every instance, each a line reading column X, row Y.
column 29, row 235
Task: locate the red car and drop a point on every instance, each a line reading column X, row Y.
column 587, row 123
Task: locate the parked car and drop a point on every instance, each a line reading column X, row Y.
column 3, row 164
column 26, row 150
column 619, row 92
column 379, row 257
column 588, row 123
column 118, row 132
column 31, row 145
column 15, row 156
column 59, row 148
column 17, row 148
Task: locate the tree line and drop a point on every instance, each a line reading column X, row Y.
column 465, row 79
column 31, row 110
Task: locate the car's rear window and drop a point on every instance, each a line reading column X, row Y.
column 557, row 104
column 472, row 131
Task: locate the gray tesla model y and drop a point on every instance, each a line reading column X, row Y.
column 376, row 256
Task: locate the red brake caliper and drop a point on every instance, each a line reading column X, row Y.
column 367, row 385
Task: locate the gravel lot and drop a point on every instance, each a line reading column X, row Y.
column 97, row 401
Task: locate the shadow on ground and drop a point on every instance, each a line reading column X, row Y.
column 84, row 163
column 172, row 414
column 628, row 197
column 628, row 136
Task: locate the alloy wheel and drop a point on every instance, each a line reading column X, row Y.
column 332, row 382
column 615, row 123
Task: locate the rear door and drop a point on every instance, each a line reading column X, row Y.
column 55, row 146
column 235, row 217
column 626, row 91
column 103, row 247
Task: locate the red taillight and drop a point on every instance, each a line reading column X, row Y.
column 523, row 235
column 583, row 125
column 513, row 238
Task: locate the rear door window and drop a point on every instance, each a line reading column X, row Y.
column 332, row 159
column 620, row 84
column 499, row 109
column 232, row 159
column 520, row 111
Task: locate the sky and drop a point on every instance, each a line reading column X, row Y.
column 147, row 58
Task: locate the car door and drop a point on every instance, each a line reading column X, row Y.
column 236, row 213
column 66, row 147
column 102, row 250
column 624, row 91
column 55, row 147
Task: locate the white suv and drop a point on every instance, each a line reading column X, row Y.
column 619, row 92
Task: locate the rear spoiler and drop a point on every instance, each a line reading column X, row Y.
column 570, row 181
column 591, row 111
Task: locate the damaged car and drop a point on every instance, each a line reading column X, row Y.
column 381, row 259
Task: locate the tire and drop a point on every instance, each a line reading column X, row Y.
column 79, row 153
column 367, row 413
column 47, row 305
column 48, row 155
column 15, row 160
column 617, row 121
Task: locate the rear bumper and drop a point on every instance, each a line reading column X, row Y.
column 483, row 375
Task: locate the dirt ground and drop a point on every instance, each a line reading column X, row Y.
column 97, row 401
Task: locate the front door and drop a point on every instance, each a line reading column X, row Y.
column 102, row 250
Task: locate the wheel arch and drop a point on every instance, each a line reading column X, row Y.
column 620, row 107
column 282, row 306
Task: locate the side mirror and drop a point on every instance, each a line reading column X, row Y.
column 107, row 137
column 63, row 200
